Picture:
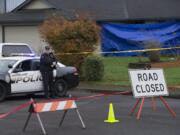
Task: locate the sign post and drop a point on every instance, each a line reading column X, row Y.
column 148, row 83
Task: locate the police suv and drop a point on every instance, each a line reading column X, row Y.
column 22, row 75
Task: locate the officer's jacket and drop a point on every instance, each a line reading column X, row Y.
column 46, row 62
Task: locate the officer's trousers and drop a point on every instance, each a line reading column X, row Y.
column 47, row 77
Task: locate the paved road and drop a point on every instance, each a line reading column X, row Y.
column 94, row 113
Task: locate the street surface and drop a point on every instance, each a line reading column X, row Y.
column 94, row 112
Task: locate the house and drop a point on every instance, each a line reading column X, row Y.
column 21, row 22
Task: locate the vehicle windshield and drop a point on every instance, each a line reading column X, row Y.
column 10, row 50
column 4, row 65
column 60, row 65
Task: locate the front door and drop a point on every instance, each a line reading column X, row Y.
column 24, row 79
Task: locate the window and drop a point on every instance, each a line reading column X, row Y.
column 35, row 65
column 9, row 50
column 23, row 66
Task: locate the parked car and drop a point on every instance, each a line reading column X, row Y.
column 22, row 75
column 15, row 49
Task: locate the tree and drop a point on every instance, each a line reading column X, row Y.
column 154, row 56
column 81, row 35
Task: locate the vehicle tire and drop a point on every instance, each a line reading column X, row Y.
column 3, row 92
column 60, row 87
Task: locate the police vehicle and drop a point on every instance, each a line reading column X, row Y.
column 22, row 75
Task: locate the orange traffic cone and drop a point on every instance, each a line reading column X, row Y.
column 111, row 116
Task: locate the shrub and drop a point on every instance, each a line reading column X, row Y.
column 81, row 35
column 93, row 69
column 154, row 56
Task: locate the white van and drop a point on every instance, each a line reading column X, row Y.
column 15, row 49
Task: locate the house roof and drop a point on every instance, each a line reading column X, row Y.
column 153, row 9
column 125, row 8
column 25, row 17
column 21, row 17
column 100, row 10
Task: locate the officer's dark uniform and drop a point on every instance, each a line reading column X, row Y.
column 46, row 69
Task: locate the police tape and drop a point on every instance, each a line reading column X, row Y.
column 117, row 52
column 15, row 109
column 4, row 115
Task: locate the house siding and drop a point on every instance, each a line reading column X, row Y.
column 38, row 4
column 0, row 34
column 2, row 6
column 12, row 4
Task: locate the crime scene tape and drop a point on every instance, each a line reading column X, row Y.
column 115, row 52
column 15, row 109
column 4, row 115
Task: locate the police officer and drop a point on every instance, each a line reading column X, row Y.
column 47, row 64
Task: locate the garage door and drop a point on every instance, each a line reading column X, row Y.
column 25, row 34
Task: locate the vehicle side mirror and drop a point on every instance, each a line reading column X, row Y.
column 10, row 66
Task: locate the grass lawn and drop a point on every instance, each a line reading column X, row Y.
column 116, row 71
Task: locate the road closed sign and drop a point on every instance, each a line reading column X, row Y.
column 148, row 83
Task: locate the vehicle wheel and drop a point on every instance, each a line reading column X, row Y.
column 3, row 92
column 60, row 87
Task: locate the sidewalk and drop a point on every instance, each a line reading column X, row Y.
column 101, row 87
column 174, row 91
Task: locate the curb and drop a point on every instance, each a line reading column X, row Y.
column 104, row 89
column 98, row 90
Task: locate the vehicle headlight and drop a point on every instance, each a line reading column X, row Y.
column 7, row 78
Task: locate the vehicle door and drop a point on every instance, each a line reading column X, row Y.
column 35, row 67
column 24, row 79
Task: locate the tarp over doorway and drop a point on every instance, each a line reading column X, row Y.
column 120, row 37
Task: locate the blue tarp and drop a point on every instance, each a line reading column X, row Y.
column 120, row 37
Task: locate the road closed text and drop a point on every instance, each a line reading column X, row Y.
column 149, row 88
column 150, row 77
column 148, row 83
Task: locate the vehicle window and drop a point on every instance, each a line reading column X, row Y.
column 4, row 65
column 9, row 50
column 23, row 66
column 60, row 65
column 35, row 65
